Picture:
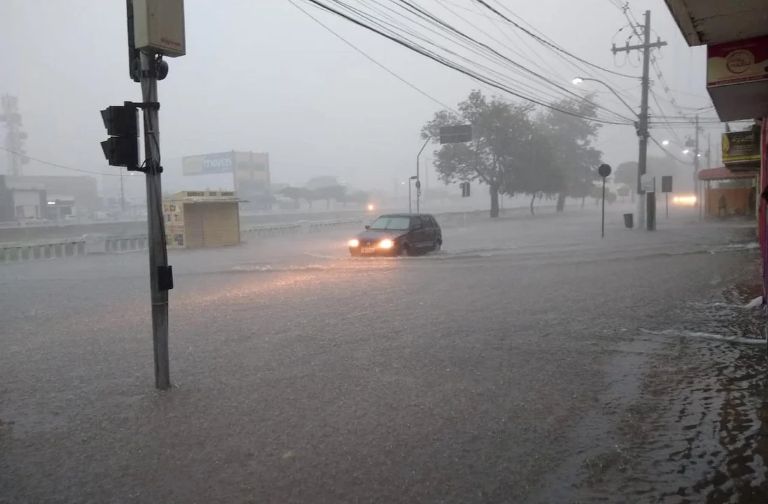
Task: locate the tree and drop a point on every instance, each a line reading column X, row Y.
column 328, row 193
column 571, row 147
column 294, row 193
column 500, row 146
column 626, row 174
column 537, row 176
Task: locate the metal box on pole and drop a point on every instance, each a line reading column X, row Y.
column 158, row 27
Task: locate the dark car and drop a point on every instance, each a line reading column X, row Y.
column 397, row 234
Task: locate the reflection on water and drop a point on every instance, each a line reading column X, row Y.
column 699, row 431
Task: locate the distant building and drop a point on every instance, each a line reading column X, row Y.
column 21, row 201
column 79, row 194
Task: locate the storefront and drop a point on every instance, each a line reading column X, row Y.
column 736, row 36
column 197, row 219
column 729, row 193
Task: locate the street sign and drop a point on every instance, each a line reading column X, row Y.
column 456, row 134
column 648, row 183
column 604, row 170
column 666, row 183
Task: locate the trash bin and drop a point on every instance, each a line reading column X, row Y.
column 628, row 222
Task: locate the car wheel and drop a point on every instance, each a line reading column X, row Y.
column 438, row 245
column 408, row 250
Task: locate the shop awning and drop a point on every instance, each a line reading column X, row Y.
column 724, row 173
column 718, row 21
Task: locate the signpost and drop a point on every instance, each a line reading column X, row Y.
column 448, row 134
column 648, row 183
column 666, row 188
column 604, row 170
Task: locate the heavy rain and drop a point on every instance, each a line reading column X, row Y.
column 455, row 251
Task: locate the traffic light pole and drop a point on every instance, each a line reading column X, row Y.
column 159, row 271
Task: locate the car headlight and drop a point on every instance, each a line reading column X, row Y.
column 386, row 244
column 354, row 242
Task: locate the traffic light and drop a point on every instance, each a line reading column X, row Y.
column 122, row 146
column 464, row 189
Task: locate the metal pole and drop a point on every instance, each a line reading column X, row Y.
column 602, row 223
column 643, row 126
column 410, row 210
column 666, row 203
column 158, row 256
column 418, row 182
column 122, row 193
column 696, row 187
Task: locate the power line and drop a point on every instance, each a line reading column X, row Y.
column 63, row 167
column 660, row 146
column 550, row 44
column 421, row 11
column 392, row 28
column 372, row 60
column 454, row 66
column 475, row 46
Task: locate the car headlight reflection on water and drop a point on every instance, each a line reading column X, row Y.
column 386, row 244
column 354, row 242
column 684, row 200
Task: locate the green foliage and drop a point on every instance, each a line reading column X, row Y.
column 626, row 173
column 512, row 151
column 571, row 146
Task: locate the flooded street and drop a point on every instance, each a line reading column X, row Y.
column 526, row 362
column 691, row 426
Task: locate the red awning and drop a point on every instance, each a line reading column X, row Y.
column 724, row 173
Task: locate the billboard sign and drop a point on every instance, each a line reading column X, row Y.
column 208, row 164
column 741, row 149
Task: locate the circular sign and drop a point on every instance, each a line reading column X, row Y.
column 604, row 170
column 739, row 61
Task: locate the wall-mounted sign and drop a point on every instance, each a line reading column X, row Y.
column 737, row 78
column 737, row 62
column 741, row 149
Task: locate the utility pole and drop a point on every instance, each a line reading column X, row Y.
column 160, row 278
column 14, row 137
column 642, row 126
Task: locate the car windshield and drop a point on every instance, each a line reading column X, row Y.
column 399, row 223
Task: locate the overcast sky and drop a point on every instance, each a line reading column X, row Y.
column 260, row 75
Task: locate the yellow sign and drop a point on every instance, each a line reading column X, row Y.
column 741, row 149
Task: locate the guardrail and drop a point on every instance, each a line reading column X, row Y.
column 28, row 252
column 105, row 244
column 272, row 229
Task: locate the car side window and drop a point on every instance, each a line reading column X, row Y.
column 416, row 223
column 431, row 222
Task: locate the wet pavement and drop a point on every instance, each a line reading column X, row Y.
column 528, row 361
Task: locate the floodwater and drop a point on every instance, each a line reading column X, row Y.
column 529, row 361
